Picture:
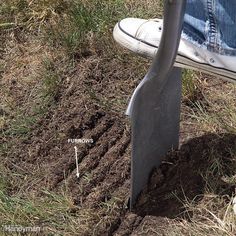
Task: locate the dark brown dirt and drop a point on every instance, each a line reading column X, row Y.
column 180, row 178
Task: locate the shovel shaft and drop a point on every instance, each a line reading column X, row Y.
column 172, row 28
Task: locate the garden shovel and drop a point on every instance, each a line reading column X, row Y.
column 154, row 108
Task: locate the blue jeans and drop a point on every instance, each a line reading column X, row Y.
column 211, row 24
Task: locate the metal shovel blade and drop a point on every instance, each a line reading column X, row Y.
column 155, row 105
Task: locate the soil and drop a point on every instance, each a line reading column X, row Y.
column 106, row 161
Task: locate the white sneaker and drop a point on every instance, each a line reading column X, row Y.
column 143, row 37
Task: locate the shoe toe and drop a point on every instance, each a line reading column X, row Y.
column 139, row 35
column 131, row 25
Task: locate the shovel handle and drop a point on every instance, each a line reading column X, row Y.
column 172, row 27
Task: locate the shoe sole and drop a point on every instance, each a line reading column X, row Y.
column 149, row 50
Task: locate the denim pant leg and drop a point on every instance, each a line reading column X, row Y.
column 211, row 24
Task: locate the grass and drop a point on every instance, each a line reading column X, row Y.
column 83, row 21
column 50, row 83
column 47, row 93
column 73, row 34
column 190, row 90
column 50, row 211
column 53, row 213
column 217, row 118
column 19, row 211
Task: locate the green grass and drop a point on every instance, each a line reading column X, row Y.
column 216, row 118
column 44, row 212
column 53, row 213
column 84, row 20
column 21, row 126
column 23, row 123
column 50, row 82
column 190, row 88
column 71, row 23
column 31, row 14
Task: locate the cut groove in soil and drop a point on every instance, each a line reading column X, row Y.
column 103, row 146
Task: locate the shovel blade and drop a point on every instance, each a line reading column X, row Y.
column 155, row 127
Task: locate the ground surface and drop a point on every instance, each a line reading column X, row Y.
column 47, row 98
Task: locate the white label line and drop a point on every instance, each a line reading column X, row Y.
column 77, row 162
